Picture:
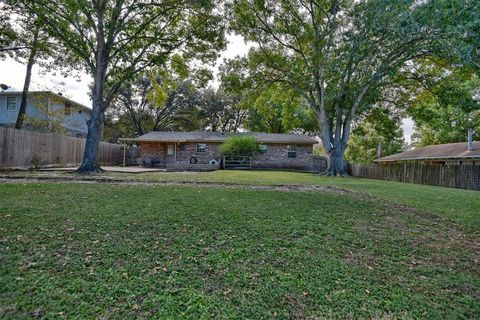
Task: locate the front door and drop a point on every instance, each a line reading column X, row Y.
column 170, row 158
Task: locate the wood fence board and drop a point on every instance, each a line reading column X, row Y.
column 26, row 149
column 453, row 176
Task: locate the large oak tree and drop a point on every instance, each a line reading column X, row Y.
column 113, row 40
column 337, row 54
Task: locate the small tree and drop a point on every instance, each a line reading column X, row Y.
column 239, row 146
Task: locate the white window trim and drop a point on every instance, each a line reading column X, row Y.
column 6, row 103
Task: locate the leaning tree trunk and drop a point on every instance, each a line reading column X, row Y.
column 26, row 85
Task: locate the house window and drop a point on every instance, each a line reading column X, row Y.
column 11, row 103
column 291, row 152
column 263, row 148
column 68, row 109
column 201, row 147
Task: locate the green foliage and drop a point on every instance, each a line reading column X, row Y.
column 213, row 110
column 239, row 145
column 278, row 109
column 53, row 117
column 8, row 36
column 443, row 101
column 445, row 112
column 379, row 127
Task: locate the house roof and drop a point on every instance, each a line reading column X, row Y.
column 436, row 152
column 51, row 94
column 219, row 137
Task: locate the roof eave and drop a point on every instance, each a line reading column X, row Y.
column 429, row 158
column 214, row 141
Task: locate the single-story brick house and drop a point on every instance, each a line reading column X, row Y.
column 183, row 149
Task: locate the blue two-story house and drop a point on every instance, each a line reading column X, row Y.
column 46, row 112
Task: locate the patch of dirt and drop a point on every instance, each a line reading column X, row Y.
column 219, row 185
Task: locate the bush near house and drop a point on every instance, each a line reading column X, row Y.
column 239, row 146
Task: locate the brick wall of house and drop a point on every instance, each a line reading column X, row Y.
column 187, row 150
column 153, row 150
column 276, row 156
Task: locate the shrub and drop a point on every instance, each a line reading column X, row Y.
column 239, row 146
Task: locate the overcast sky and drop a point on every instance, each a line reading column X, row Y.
column 12, row 74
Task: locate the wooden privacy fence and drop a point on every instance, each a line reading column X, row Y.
column 26, row 149
column 452, row 176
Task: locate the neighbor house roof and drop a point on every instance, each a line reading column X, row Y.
column 219, row 137
column 50, row 94
column 436, row 152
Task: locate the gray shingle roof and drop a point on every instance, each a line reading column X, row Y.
column 48, row 93
column 219, row 137
column 440, row 151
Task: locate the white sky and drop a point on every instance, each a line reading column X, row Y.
column 12, row 74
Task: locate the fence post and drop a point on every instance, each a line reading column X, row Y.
column 124, row 153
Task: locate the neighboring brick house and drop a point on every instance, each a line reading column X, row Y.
column 283, row 151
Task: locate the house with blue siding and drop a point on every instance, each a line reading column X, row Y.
column 46, row 112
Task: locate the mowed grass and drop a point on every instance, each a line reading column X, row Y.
column 82, row 251
column 462, row 206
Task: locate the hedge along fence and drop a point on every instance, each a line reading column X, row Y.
column 452, row 176
column 27, row 149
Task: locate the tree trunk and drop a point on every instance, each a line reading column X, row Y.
column 90, row 156
column 26, row 85
column 336, row 165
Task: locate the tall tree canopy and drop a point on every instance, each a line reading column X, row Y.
column 152, row 101
column 443, row 100
column 113, row 40
column 337, row 54
column 270, row 107
column 280, row 110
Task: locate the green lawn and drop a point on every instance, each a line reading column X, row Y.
column 462, row 206
column 83, row 251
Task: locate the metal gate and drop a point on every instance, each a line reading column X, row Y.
column 237, row 162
